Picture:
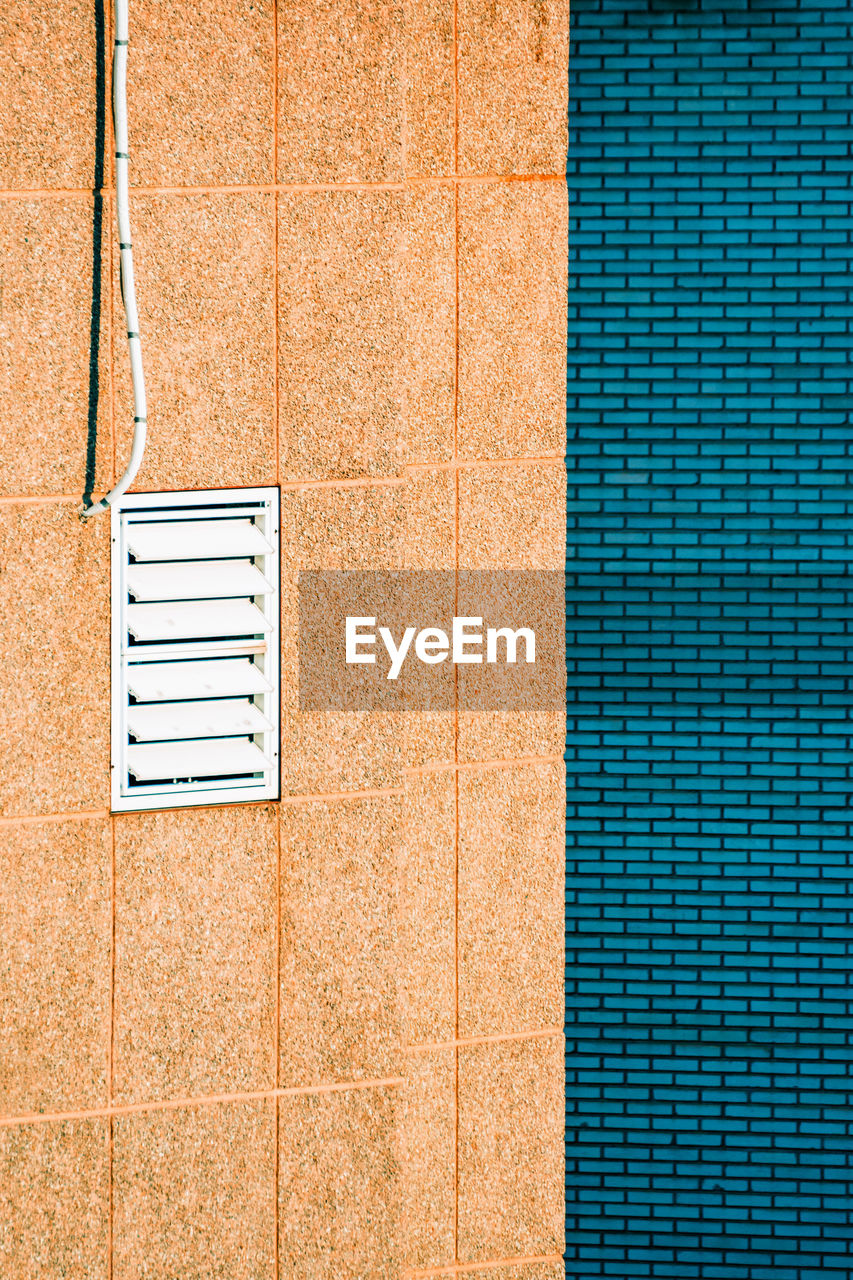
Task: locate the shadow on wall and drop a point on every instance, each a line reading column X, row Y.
column 97, row 250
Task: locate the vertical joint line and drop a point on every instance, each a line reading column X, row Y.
column 456, row 609
column 276, row 413
column 277, row 444
column 456, row 88
column 111, row 1048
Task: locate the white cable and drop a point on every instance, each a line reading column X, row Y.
column 128, row 289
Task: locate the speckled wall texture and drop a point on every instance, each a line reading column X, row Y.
column 320, row 1038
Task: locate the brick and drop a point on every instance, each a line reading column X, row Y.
column 709, row 514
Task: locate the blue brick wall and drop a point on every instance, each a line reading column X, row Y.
column 710, row 628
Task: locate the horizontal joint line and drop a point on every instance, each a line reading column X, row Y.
column 30, row 819
column 209, row 1100
column 469, row 1268
column 453, row 766
column 508, row 1037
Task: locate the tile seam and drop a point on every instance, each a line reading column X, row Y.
column 301, row 798
column 466, row 464
column 404, row 103
column 455, row 469
column 360, row 482
column 277, row 434
column 321, row 797
column 465, row 1268
column 280, row 188
column 318, row 797
column 204, row 1100
column 357, row 482
column 28, row 819
column 109, row 201
column 506, row 1037
column 111, row 1051
column 478, row 766
column 456, row 995
column 84, row 815
column 277, row 1052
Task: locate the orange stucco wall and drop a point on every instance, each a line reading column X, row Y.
column 319, row 1038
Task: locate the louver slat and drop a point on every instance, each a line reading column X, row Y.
column 165, row 720
column 166, row 681
column 196, row 540
column 196, row 758
column 204, row 580
column 201, row 620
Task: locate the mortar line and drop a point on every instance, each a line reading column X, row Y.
column 111, row 1046
column 277, row 1042
column 507, row 1037
column 320, row 797
column 203, row 1100
column 36, row 499
column 455, row 89
column 316, row 797
column 267, row 188
column 341, row 482
column 480, row 766
column 275, row 248
column 27, row 819
column 404, row 119
column 360, row 482
column 469, row 1268
column 455, row 461
column 277, row 412
column 283, row 188
column 473, row 179
column 277, row 1050
column 109, row 1199
column 468, row 464
column 456, row 979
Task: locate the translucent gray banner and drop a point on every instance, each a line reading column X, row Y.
column 425, row 640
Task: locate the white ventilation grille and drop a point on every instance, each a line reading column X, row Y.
column 195, row 648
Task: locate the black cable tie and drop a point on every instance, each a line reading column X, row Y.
column 140, row 419
column 122, row 155
column 124, row 246
column 120, row 42
column 132, row 335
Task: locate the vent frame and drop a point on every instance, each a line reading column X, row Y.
column 262, row 649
